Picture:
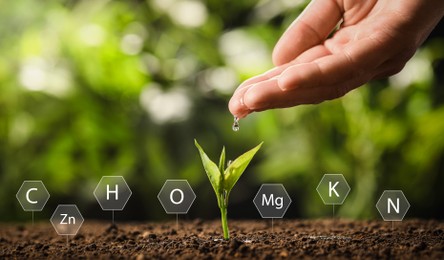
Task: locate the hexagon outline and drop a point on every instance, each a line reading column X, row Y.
column 98, row 184
column 402, row 193
column 81, row 223
column 273, row 184
column 192, row 191
column 44, row 187
column 346, row 183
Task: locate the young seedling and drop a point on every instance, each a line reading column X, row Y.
column 223, row 179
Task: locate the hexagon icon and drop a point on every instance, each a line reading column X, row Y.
column 67, row 219
column 112, row 193
column 272, row 200
column 176, row 196
column 333, row 189
column 393, row 205
column 32, row 195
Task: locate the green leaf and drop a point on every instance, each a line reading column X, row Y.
column 222, row 161
column 210, row 168
column 237, row 167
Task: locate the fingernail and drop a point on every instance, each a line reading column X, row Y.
column 238, row 108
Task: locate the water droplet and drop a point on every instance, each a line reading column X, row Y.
column 236, row 124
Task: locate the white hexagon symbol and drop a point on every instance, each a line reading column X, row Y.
column 393, row 205
column 272, row 200
column 67, row 219
column 112, row 193
column 333, row 189
column 32, row 195
column 176, row 196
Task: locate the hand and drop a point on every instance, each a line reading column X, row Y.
column 375, row 40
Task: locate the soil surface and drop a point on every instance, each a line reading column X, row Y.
column 257, row 239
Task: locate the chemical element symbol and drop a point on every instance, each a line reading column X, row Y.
column 112, row 193
column 67, row 219
column 272, row 200
column 333, row 189
column 393, row 205
column 32, row 195
column 176, row 196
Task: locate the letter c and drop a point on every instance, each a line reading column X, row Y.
column 27, row 196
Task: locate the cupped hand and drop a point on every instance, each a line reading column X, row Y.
column 374, row 40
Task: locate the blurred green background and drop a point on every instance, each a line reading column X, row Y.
column 92, row 88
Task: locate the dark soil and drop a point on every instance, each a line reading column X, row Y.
column 250, row 239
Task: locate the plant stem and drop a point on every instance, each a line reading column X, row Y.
column 223, row 215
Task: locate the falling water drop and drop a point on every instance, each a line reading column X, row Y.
column 236, row 124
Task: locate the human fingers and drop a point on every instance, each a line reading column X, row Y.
column 236, row 104
column 311, row 28
column 250, row 106
column 268, row 95
column 359, row 59
column 262, row 77
column 307, row 56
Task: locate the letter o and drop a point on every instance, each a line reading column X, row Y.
column 181, row 196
